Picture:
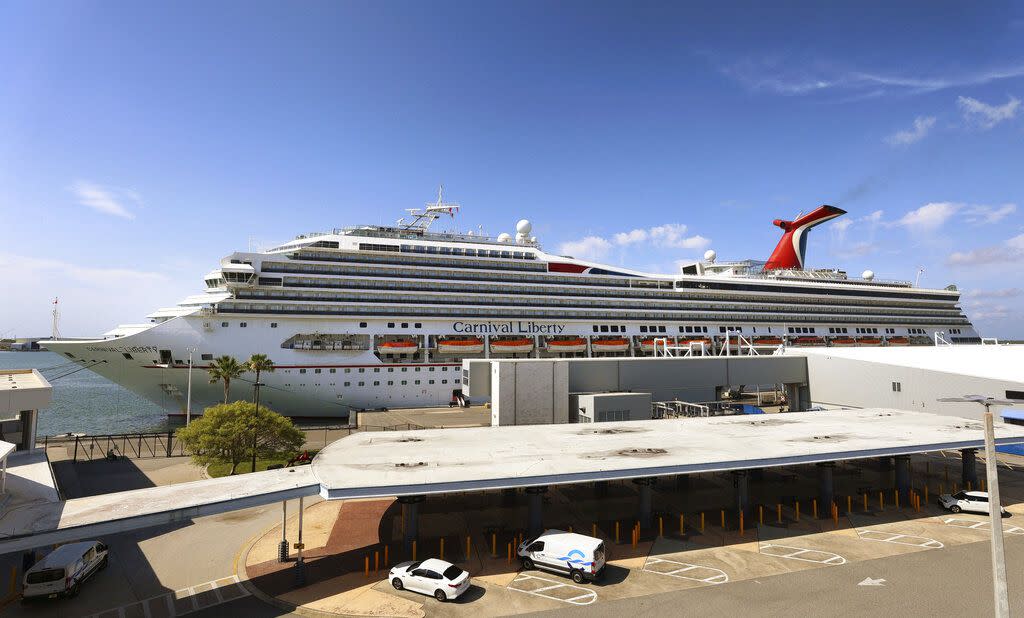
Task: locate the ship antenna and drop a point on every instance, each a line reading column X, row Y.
column 422, row 218
column 55, row 329
column 917, row 281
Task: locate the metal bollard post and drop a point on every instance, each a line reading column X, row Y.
column 469, row 547
column 494, row 544
column 741, row 523
column 723, row 519
column 682, row 524
column 881, row 501
column 376, row 561
column 896, row 496
column 865, row 502
column 661, row 526
column 593, row 530
column 702, row 521
column 414, row 549
column 760, row 514
column 509, row 548
column 926, row 492
column 797, row 510
column 366, row 566
column 386, row 561
column 778, row 512
column 814, row 508
column 616, row 532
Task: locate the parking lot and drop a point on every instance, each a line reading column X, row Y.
column 348, row 557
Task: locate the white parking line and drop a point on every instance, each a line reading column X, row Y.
column 960, row 522
column 801, row 553
column 714, row 576
column 883, row 536
column 588, row 596
column 190, row 593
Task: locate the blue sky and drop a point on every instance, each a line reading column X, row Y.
column 139, row 143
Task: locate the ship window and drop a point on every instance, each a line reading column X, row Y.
column 405, row 325
column 615, row 328
column 417, row 382
column 391, row 369
column 333, row 370
column 362, row 383
column 595, row 328
column 391, row 382
column 126, row 355
column 661, row 329
column 405, row 369
column 376, row 382
column 444, row 381
column 604, row 328
column 207, row 356
column 430, row 382
column 376, row 369
column 721, row 329
column 302, row 371
column 242, row 324
column 316, row 370
column 431, row 369
column 458, row 381
column 418, row 325
column 273, row 325
column 224, row 324
column 643, row 329
column 362, row 325
column 391, row 324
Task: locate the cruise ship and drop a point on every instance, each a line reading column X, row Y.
column 381, row 316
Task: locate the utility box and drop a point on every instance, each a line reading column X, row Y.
column 604, row 407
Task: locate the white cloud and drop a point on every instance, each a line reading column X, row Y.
column 1001, row 293
column 589, row 248
column 108, row 200
column 984, row 115
column 930, row 216
column 842, row 225
column 1010, row 252
column 981, row 214
column 922, row 125
column 628, row 238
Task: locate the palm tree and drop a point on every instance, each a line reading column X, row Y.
column 257, row 363
column 224, row 369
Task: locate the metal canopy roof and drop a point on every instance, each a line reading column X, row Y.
column 447, row 460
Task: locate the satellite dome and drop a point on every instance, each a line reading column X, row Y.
column 710, row 255
column 868, row 275
column 524, row 227
column 504, row 237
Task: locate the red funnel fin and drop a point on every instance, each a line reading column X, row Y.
column 792, row 247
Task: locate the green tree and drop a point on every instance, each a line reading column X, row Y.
column 229, row 432
column 258, row 363
column 224, row 369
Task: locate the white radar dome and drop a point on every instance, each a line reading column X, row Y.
column 504, row 237
column 868, row 275
column 524, row 227
column 710, row 255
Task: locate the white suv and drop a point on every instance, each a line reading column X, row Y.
column 976, row 501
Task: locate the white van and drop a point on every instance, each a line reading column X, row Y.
column 578, row 556
column 63, row 570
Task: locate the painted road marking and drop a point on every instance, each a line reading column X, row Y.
column 801, row 553
column 960, row 522
column 183, row 601
column 586, row 598
column 685, row 570
column 899, row 539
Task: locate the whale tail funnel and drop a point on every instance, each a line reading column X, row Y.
column 792, row 247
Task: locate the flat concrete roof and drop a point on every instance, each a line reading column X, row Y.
column 6, row 448
column 43, row 520
column 23, row 389
column 996, row 362
column 437, row 461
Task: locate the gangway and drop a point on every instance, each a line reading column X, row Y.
column 672, row 350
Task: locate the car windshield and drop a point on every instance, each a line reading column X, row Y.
column 960, row 495
column 46, row 575
column 414, row 566
column 453, row 572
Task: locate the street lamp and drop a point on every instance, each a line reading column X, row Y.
column 994, row 510
column 188, row 396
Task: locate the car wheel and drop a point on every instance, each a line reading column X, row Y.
column 397, row 583
column 527, row 564
column 577, row 577
column 440, row 596
column 955, row 508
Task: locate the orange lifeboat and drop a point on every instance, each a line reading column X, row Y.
column 844, row 341
column 463, row 346
column 809, row 341
column 869, row 341
column 520, row 345
column 648, row 345
column 897, row 341
column 772, row 341
column 398, row 346
column 572, row 345
column 612, row 344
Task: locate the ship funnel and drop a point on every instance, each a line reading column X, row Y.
column 792, row 247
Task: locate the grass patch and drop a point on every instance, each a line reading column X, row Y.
column 224, row 469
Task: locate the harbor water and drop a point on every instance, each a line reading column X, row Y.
column 84, row 402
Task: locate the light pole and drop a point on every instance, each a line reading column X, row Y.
column 994, row 509
column 188, row 396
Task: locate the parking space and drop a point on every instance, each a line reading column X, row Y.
column 684, row 570
column 554, row 589
column 983, row 525
column 883, row 536
column 181, row 602
column 803, row 554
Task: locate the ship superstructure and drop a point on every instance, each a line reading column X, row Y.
column 382, row 316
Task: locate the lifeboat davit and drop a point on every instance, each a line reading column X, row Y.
column 609, row 345
column 869, row 341
column 843, row 341
column 573, row 345
column 520, row 345
column 463, row 346
column 686, row 342
column 897, row 341
column 399, row 346
column 809, row 341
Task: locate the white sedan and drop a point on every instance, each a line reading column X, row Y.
column 440, row 579
column 976, row 501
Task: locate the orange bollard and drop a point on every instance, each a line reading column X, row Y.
column 926, row 493
column 797, row 510
column 881, row 501
column 760, row 514
column 366, row 565
column 616, row 532
column 593, row 530
column 896, row 497
column 835, row 514
column 386, row 561
column 682, row 524
column 702, row 521
column 723, row 519
column 741, row 523
column 414, row 550
column 982, row 481
column 661, row 526
column 509, row 550
column 865, row 502
column 778, row 512
column 376, row 561
column 469, row 546
column 494, row 544
column 814, row 508
column 849, row 503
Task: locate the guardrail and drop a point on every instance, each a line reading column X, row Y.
column 147, row 445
